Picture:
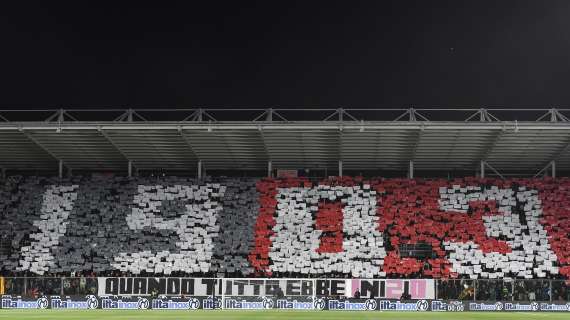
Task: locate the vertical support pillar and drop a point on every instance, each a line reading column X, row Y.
column 340, row 168
column 314, row 290
column 513, row 290
column 436, row 281
column 482, row 169
column 199, row 169
column 550, row 285
column 269, row 169
column 553, row 167
column 3, row 174
column 411, row 170
column 60, row 169
column 223, row 285
column 130, row 169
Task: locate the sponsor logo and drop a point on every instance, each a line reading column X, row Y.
column 403, row 306
column 451, row 306
column 143, row 303
column 58, row 303
column 474, row 306
column 319, row 303
column 194, row 303
column 92, row 302
column 17, row 303
column 108, row 302
column 212, row 303
column 267, row 303
column 422, row 305
column 165, row 303
column 263, row 303
column 533, row 306
column 554, row 307
column 369, row 304
column 43, row 303
column 294, row 304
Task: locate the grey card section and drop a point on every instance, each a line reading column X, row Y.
column 97, row 227
column 20, row 206
column 237, row 219
column 99, row 231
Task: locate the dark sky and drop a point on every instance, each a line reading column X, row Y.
column 290, row 53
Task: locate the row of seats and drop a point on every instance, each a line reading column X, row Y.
column 349, row 226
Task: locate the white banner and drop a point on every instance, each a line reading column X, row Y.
column 261, row 287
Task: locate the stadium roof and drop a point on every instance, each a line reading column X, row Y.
column 508, row 140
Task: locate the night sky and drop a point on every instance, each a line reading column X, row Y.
column 289, row 53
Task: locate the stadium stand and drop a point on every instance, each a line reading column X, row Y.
column 296, row 227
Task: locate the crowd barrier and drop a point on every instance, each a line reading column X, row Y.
column 301, row 294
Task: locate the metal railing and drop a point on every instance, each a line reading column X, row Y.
column 286, row 114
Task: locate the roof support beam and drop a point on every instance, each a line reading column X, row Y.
column 339, row 150
column 41, row 146
column 340, row 112
column 413, row 115
column 60, row 169
column 417, row 140
column 106, row 136
column 553, row 115
column 559, row 153
column 200, row 169
column 59, row 116
column 199, row 115
column 492, row 169
column 129, row 116
column 484, row 116
column 268, row 114
column 262, row 137
column 187, row 141
column 130, row 169
column 551, row 165
column 491, row 145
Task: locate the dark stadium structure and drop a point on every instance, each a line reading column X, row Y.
column 466, row 207
column 380, row 142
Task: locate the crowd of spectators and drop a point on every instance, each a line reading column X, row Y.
column 504, row 290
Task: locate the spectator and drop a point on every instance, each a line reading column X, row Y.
column 357, row 294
